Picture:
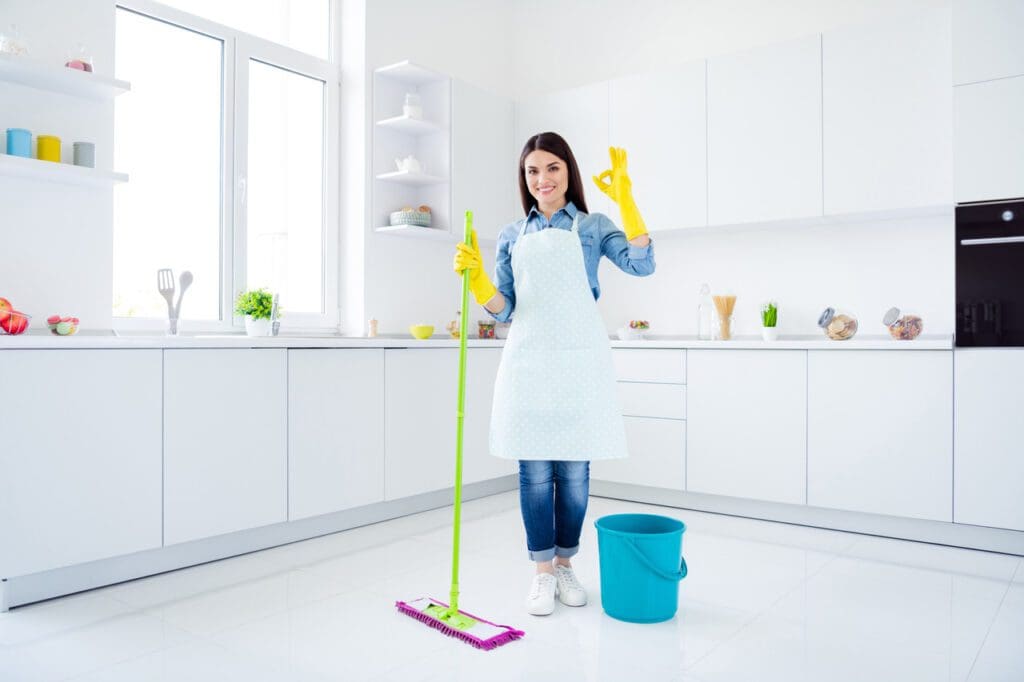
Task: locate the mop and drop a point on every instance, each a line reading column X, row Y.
column 447, row 618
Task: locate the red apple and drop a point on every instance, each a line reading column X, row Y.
column 5, row 308
column 15, row 322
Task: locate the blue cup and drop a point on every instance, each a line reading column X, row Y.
column 19, row 142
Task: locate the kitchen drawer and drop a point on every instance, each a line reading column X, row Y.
column 667, row 401
column 664, row 366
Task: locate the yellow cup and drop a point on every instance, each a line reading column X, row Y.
column 48, row 148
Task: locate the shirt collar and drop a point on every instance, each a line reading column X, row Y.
column 569, row 209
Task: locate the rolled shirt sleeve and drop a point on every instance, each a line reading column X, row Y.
column 503, row 278
column 635, row 260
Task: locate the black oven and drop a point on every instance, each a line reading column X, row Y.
column 990, row 274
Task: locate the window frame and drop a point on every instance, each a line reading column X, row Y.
column 238, row 49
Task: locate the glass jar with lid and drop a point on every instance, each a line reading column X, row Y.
column 837, row 327
column 902, row 328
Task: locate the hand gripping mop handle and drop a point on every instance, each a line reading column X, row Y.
column 460, row 418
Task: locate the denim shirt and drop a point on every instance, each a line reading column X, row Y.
column 598, row 236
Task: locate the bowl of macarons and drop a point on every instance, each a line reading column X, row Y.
column 62, row 325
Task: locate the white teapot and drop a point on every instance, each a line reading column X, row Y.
column 409, row 164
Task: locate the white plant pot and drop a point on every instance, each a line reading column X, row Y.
column 770, row 333
column 255, row 327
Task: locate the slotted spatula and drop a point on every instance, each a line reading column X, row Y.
column 165, row 285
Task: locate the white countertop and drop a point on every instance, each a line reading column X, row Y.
column 106, row 339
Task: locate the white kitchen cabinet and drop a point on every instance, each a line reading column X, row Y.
column 650, row 365
column 483, row 160
column 989, row 458
column 989, row 140
column 987, row 40
column 764, row 134
column 579, row 115
column 746, row 424
column 880, row 432
column 887, row 123
column 657, row 455
column 80, row 456
column 660, row 118
column 421, row 393
column 335, row 429
column 225, row 441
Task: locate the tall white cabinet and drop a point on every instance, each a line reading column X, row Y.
column 887, row 129
column 335, row 429
column 879, row 432
column 764, row 133
column 80, row 460
column 225, row 444
column 747, row 424
column 988, row 436
column 660, row 118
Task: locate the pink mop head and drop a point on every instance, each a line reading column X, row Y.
column 483, row 635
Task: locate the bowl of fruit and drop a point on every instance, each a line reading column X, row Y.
column 62, row 326
column 12, row 321
column 634, row 330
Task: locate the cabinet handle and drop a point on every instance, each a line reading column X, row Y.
column 992, row 240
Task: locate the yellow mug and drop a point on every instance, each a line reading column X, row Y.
column 48, row 148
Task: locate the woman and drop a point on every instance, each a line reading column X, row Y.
column 555, row 406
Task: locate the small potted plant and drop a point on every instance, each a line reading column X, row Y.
column 256, row 306
column 769, row 320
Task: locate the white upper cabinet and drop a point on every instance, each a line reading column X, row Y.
column 483, row 161
column 887, row 120
column 660, row 119
column 764, row 134
column 988, row 40
column 880, row 432
column 989, row 470
column 989, row 140
column 580, row 115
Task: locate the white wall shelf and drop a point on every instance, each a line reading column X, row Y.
column 410, row 74
column 60, row 79
column 436, row 233
column 34, row 169
column 409, row 125
column 408, row 178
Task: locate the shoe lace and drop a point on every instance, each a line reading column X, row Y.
column 568, row 577
column 539, row 583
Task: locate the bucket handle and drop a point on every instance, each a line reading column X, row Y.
column 671, row 577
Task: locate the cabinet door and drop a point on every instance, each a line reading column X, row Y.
column 580, row 116
column 225, row 443
column 987, row 40
column 989, row 140
column 764, row 134
column 880, row 432
column 335, row 429
column 989, row 466
column 420, row 393
column 747, row 424
column 660, row 119
column 80, row 460
column 478, row 464
column 888, row 130
column 657, row 455
column 483, row 160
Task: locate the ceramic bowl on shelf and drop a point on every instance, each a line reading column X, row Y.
column 421, row 331
column 419, row 218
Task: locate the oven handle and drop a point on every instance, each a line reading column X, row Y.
column 992, row 240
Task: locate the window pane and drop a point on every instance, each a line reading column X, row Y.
column 285, row 204
column 168, row 139
column 300, row 24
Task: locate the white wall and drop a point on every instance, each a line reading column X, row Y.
column 56, row 253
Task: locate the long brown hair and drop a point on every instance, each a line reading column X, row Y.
column 553, row 143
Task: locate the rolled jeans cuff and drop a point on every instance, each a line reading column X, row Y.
column 550, row 553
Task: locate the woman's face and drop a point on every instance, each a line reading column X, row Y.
column 547, row 178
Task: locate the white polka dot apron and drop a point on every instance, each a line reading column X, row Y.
column 555, row 396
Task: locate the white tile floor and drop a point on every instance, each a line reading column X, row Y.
column 763, row 601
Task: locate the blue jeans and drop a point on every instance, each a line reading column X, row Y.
column 553, row 498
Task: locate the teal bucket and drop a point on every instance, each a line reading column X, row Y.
column 641, row 566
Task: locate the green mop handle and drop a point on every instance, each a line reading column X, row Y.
column 460, row 418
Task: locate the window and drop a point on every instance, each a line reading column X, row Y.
column 230, row 145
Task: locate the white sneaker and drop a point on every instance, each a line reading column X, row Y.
column 541, row 601
column 570, row 592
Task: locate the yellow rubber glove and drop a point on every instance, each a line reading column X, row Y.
column 468, row 257
column 617, row 185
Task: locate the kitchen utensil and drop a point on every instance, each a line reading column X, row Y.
column 275, row 324
column 165, row 285
column 84, row 154
column 19, row 142
column 421, row 331
column 185, row 281
column 48, row 148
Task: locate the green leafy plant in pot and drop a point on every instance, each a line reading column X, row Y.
column 256, row 305
column 769, row 321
